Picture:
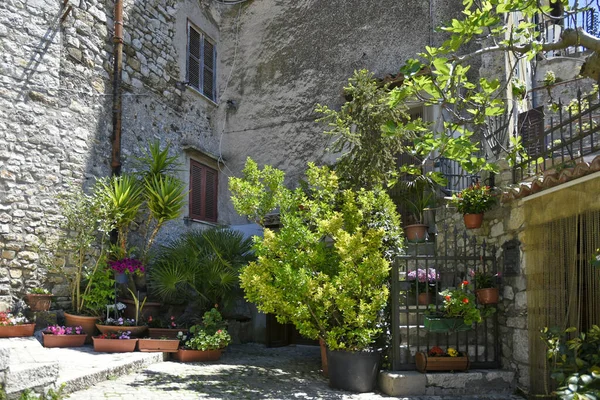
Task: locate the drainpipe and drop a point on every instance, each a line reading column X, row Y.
column 117, row 95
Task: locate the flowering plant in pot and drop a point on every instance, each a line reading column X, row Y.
column 474, row 200
column 126, row 266
column 205, row 341
column 112, row 325
column 436, row 359
column 38, row 299
column 63, row 336
column 424, row 282
column 15, row 324
column 115, row 342
column 485, row 286
column 164, row 327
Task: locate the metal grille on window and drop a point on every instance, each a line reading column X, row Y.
column 194, row 58
column 208, row 70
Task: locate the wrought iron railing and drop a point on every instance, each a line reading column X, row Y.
column 458, row 255
column 568, row 136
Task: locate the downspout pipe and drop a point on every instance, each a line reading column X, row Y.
column 117, row 110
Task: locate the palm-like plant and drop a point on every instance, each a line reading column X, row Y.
column 201, row 266
column 164, row 197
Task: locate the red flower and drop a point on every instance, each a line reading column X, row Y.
column 447, row 298
column 465, row 300
column 435, row 351
column 150, row 318
column 465, row 283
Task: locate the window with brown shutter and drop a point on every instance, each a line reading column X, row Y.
column 201, row 66
column 203, row 192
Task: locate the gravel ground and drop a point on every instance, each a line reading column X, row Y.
column 248, row 371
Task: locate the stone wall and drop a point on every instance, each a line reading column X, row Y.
column 56, row 102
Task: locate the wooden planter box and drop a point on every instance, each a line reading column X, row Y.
column 445, row 325
column 38, row 302
column 136, row 331
column 114, row 345
column 426, row 363
column 51, row 340
column 158, row 345
column 157, row 333
column 17, row 330
column 197, row 355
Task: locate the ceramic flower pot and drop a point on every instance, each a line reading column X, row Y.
column 158, row 333
column 114, row 345
column 87, row 323
column 444, row 325
column 136, row 330
column 158, row 345
column 487, row 296
column 38, row 302
column 473, row 221
column 426, row 363
column 197, row 355
column 416, row 233
column 17, row 330
column 51, row 340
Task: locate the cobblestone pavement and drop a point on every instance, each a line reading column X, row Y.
column 244, row 372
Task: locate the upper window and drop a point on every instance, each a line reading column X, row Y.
column 201, row 65
column 203, row 192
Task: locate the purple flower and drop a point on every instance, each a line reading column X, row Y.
column 127, row 265
column 428, row 275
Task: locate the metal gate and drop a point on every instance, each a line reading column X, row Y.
column 450, row 263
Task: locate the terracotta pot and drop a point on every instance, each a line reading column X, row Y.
column 324, row 358
column 487, row 296
column 197, row 355
column 426, row 298
column 158, row 345
column 416, row 233
column 38, row 302
column 87, row 323
column 51, row 340
column 473, row 221
column 114, row 345
column 136, row 331
column 426, row 363
column 157, row 333
column 150, row 308
column 17, row 330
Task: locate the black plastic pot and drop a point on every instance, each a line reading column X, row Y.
column 353, row 371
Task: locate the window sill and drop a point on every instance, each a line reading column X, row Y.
column 188, row 221
column 198, row 93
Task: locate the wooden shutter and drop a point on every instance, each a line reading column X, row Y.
column 194, row 57
column 203, row 192
column 531, row 130
column 208, row 77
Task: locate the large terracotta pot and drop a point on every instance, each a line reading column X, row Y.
column 324, row 366
column 157, row 333
column 158, row 345
column 38, row 302
column 426, row 363
column 87, row 323
column 150, row 308
column 487, row 296
column 17, row 330
column 136, row 331
column 51, row 340
column 416, row 233
column 114, row 345
column 197, row 355
column 426, row 298
column 473, row 221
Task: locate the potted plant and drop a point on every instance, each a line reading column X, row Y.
column 38, row 299
column 424, row 282
column 126, row 266
column 159, row 328
column 472, row 202
column 15, row 325
column 326, row 269
column 459, row 311
column 437, row 359
column 205, row 341
column 485, row 286
column 117, row 322
column 115, row 342
column 63, row 336
column 155, row 345
column 418, row 194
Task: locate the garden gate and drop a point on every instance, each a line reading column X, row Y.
column 450, row 263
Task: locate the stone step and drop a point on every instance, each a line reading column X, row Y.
column 478, row 383
column 29, row 376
